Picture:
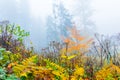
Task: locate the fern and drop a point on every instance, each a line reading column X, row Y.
column 28, row 68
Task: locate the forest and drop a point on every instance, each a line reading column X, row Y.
column 76, row 57
column 73, row 50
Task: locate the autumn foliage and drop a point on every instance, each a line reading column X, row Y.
column 67, row 60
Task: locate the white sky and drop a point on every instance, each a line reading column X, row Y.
column 107, row 16
column 106, row 13
column 40, row 8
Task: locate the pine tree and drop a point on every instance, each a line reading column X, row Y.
column 84, row 12
column 58, row 23
column 64, row 19
column 52, row 33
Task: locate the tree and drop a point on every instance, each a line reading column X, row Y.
column 58, row 22
column 64, row 19
column 83, row 13
column 52, row 33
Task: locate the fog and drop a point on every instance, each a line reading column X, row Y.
column 31, row 15
column 107, row 16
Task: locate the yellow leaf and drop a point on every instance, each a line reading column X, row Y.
column 70, row 57
column 56, row 73
column 73, row 78
column 79, row 71
column 63, row 56
column 23, row 74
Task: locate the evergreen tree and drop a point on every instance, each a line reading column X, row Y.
column 58, row 23
column 84, row 12
column 63, row 19
column 52, row 32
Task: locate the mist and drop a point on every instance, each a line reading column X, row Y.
column 32, row 14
